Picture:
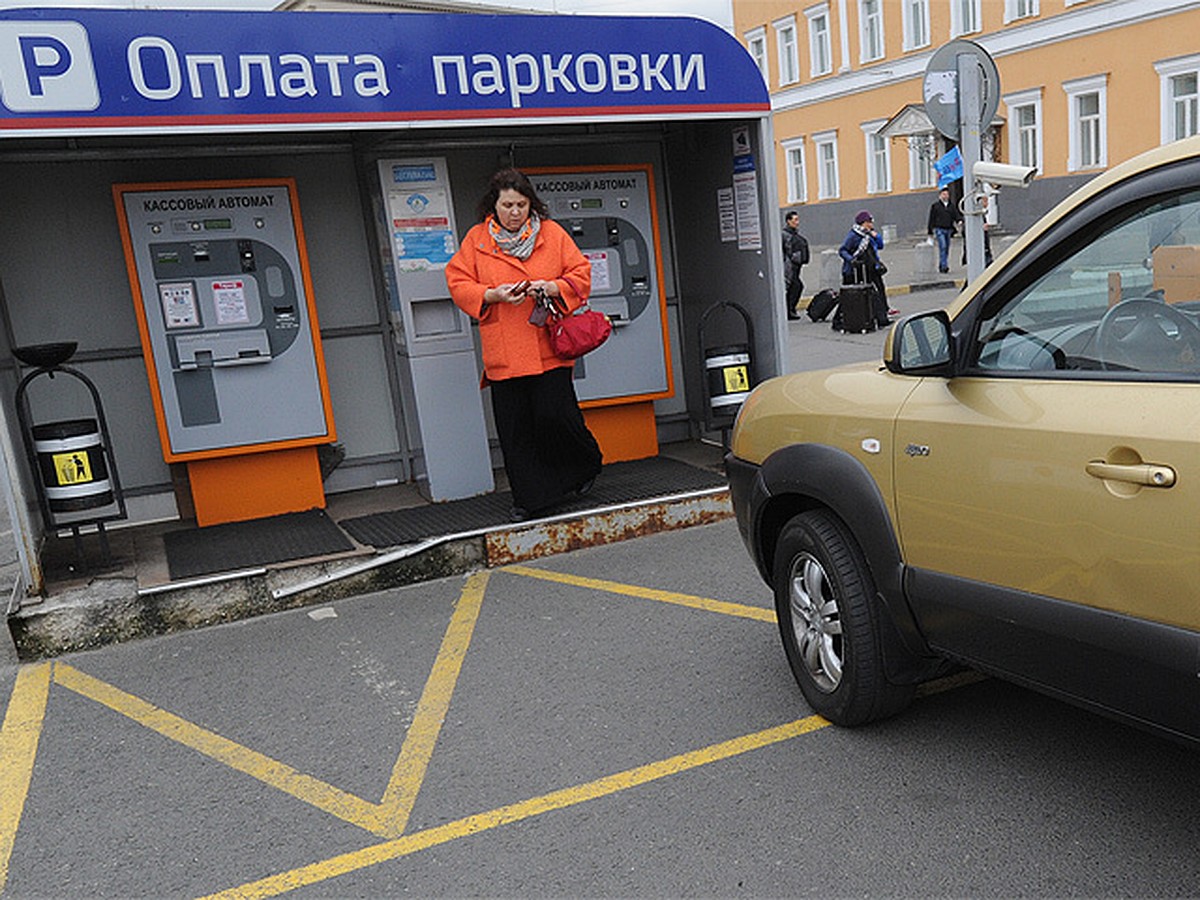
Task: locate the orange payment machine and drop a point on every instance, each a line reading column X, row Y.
column 228, row 325
column 612, row 214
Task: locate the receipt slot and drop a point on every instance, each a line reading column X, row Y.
column 228, row 327
column 612, row 214
column 435, row 345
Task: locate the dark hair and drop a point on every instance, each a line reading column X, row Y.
column 511, row 179
column 791, row 214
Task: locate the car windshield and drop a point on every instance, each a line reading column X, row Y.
column 1127, row 302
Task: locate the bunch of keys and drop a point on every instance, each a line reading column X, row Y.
column 543, row 307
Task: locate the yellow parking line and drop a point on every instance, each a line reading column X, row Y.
column 18, row 748
column 613, row 587
column 303, row 787
column 516, row 812
column 417, row 750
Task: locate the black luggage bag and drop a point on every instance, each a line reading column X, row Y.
column 821, row 305
column 856, row 304
column 856, row 308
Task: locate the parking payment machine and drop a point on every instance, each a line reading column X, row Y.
column 612, row 215
column 228, row 326
column 434, row 339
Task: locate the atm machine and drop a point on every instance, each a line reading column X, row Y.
column 228, row 326
column 612, row 214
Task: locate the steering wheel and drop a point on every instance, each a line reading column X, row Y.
column 1143, row 334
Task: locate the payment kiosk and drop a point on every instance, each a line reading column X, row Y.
column 612, row 214
column 433, row 335
column 228, row 327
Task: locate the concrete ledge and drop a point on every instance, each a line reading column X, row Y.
column 111, row 610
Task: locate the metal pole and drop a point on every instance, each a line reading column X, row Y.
column 970, row 91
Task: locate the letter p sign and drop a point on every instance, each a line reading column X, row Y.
column 46, row 67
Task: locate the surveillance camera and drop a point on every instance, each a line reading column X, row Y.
column 1004, row 174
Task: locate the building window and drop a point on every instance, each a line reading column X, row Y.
column 921, row 154
column 797, row 180
column 789, row 54
column 1025, row 116
column 916, row 24
column 1087, row 102
column 756, row 43
column 870, row 17
column 1019, row 9
column 828, row 181
column 965, row 17
column 1180, row 86
column 879, row 158
column 820, row 45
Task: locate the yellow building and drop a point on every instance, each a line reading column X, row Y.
column 1084, row 84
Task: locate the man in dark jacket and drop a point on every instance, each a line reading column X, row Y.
column 795, row 255
column 944, row 219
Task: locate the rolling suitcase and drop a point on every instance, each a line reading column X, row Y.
column 821, row 305
column 856, row 305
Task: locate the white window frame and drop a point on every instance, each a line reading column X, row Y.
column 1013, row 10
column 788, row 50
column 870, row 31
column 914, row 38
column 820, row 41
column 921, row 173
column 959, row 24
column 879, row 158
column 1075, row 90
column 1168, row 71
column 795, row 170
column 1015, row 102
column 756, row 44
column 829, row 180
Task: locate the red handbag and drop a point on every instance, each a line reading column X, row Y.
column 578, row 333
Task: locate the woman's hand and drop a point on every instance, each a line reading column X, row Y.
column 506, row 293
column 550, row 287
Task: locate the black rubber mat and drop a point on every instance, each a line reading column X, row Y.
column 622, row 482
column 242, row 545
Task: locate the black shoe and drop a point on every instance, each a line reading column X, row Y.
column 519, row 514
column 944, row 270
column 586, row 488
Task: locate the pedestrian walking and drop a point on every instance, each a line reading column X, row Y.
column 795, row 255
column 944, row 221
column 861, row 263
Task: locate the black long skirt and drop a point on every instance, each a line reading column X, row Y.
column 548, row 451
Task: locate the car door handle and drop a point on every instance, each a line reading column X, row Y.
column 1146, row 474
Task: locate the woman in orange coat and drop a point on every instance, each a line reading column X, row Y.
column 513, row 251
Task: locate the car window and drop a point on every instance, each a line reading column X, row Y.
column 1124, row 302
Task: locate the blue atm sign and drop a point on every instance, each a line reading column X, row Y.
column 121, row 71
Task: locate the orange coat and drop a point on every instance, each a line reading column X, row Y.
column 511, row 346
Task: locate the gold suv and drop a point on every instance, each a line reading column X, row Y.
column 1017, row 487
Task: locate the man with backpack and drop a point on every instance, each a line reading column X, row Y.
column 795, row 255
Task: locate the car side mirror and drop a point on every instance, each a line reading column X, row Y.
column 920, row 344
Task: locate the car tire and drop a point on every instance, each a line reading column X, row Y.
column 828, row 615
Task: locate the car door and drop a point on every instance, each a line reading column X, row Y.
column 1048, row 498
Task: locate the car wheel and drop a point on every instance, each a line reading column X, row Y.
column 828, row 618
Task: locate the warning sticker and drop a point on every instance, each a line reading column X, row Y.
column 72, row 468
column 737, row 379
column 230, row 299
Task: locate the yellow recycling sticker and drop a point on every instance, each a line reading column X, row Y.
column 737, row 379
column 73, row 467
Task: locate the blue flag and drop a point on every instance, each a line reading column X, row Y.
column 949, row 167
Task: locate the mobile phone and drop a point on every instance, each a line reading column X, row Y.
column 520, row 287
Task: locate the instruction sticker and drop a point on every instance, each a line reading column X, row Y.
column 72, row 468
column 179, row 304
column 230, row 299
column 601, row 277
